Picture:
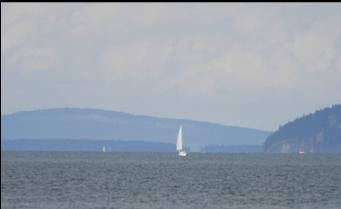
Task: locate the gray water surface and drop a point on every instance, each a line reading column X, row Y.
column 155, row 180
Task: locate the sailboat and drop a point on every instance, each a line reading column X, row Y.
column 179, row 144
column 103, row 149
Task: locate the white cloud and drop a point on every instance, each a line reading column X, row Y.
column 225, row 53
column 134, row 60
column 315, row 48
column 32, row 58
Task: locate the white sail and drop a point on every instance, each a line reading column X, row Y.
column 179, row 144
column 179, row 140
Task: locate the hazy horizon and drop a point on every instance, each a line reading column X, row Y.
column 136, row 114
column 160, row 117
column 252, row 65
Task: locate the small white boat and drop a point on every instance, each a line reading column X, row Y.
column 301, row 151
column 179, row 144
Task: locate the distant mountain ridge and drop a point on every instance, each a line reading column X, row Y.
column 77, row 123
column 316, row 132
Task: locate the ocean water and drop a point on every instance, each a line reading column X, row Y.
column 52, row 180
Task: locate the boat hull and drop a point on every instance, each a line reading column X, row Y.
column 182, row 154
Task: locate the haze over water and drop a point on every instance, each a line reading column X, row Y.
column 250, row 65
column 154, row 180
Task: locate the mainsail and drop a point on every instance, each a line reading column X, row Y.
column 179, row 140
column 179, row 144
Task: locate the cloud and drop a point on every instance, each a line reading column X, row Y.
column 32, row 58
column 315, row 48
column 135, row 59
column 212, row 54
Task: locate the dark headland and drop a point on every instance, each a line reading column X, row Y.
column 318, row 132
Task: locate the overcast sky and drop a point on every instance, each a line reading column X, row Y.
column 250, row 65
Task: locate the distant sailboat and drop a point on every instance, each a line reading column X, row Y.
column 301, row 151
column 103, row 149
column 179, row 144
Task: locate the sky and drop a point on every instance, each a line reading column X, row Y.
column 255, row 65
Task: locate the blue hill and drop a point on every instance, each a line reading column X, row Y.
column 317, row 132
column 95, row 124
